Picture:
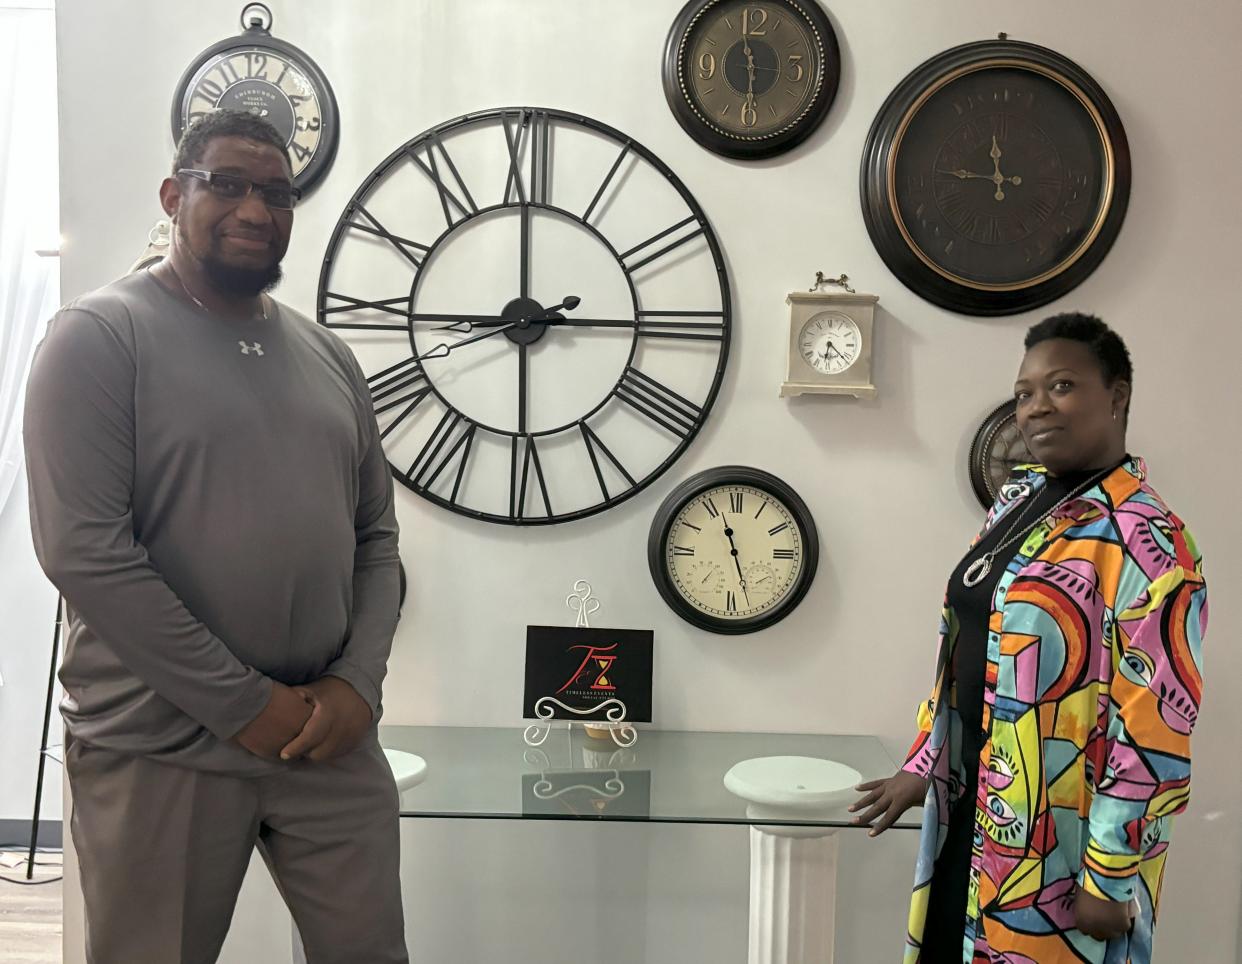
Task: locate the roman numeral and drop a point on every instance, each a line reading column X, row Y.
column 690, row 526
column 412, row 251
column 607, row 178
column 731, row 602
column 658, row 402
column 517, row 496
column 431, row 168
column 535, row 127
column 735, row 501
column 592, row 440
column 783, row 554
column 406, row 376
column 683, row 550
column 710, row 506
column 387, row 306
column 635, row 265
column 761, row 508
column 430, row 460
column 685, row 330
column 780, row 528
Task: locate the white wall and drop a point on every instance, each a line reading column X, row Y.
column 857, row 655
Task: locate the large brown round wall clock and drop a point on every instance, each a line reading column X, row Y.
column 751, row 78
column 272, row 78
column 995, row 177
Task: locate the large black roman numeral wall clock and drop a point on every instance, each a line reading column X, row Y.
column 541, row 310
column 257, row 72
column 995, row 177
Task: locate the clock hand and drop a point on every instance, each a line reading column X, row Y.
column 466, row 323
column 963, row 174
column 733, row 550
column 997, row 178
column 443, row 349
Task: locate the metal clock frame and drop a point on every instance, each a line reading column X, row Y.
column 660, row 404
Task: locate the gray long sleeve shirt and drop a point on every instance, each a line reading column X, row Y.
column 211, row 498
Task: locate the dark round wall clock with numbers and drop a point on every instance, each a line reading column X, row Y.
column 540, row 308
column 733, row 549
column 995, row 177
column 751, row 78
column 257, row 72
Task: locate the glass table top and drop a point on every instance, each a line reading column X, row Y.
column 666, row 777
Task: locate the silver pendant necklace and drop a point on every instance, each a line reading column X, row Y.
column 979, row 569
column 202, row 307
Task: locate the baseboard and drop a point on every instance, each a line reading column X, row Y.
column 15, row 834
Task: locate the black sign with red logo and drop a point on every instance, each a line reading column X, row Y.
column 588, row 668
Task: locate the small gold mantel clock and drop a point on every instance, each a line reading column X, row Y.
column 830, row 340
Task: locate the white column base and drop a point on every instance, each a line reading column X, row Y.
column 793, row 894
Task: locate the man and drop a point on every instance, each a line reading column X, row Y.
column 209, row 494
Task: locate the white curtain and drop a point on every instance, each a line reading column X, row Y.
column 29, row 208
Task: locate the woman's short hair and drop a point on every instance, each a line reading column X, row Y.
column 1105, row 344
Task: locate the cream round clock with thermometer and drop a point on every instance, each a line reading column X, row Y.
column 733, row 550
column 830, row 341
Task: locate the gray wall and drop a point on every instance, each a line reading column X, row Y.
column 896, row 462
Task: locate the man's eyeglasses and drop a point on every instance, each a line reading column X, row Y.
column 230, row 187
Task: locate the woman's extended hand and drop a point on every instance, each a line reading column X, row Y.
column 1101, row 919
column 889, row 799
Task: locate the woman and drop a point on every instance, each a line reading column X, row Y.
column 1055, row 748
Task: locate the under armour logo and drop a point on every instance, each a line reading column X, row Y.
column 247, row 349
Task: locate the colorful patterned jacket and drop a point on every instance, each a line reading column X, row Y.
column 1092, row 689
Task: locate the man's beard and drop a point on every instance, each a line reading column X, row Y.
column 230, row 278
column 241, row 281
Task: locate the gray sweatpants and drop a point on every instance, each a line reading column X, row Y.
column 163, row 850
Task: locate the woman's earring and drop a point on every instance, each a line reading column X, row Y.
column 1114, row 414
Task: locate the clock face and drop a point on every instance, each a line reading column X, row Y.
column 751, row 79
column 541, row 310
column 272, row 79
column 830, row 342
column 733, row 550
column 995, row 178
column 998, row 446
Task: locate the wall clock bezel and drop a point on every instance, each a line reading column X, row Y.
column 981, row 454
column 916, row 268
column 677, row 65
column 687, row 492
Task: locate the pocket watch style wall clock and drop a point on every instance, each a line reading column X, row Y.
column 257, row 72
column 733, row 550
column 997, row 447
column 751, row 79
column 995, row 177
column 830, row 341
column 541, row 310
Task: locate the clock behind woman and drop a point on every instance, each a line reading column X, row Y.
column 1055, row 748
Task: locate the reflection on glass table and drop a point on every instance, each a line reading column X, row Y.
column 793, row 790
